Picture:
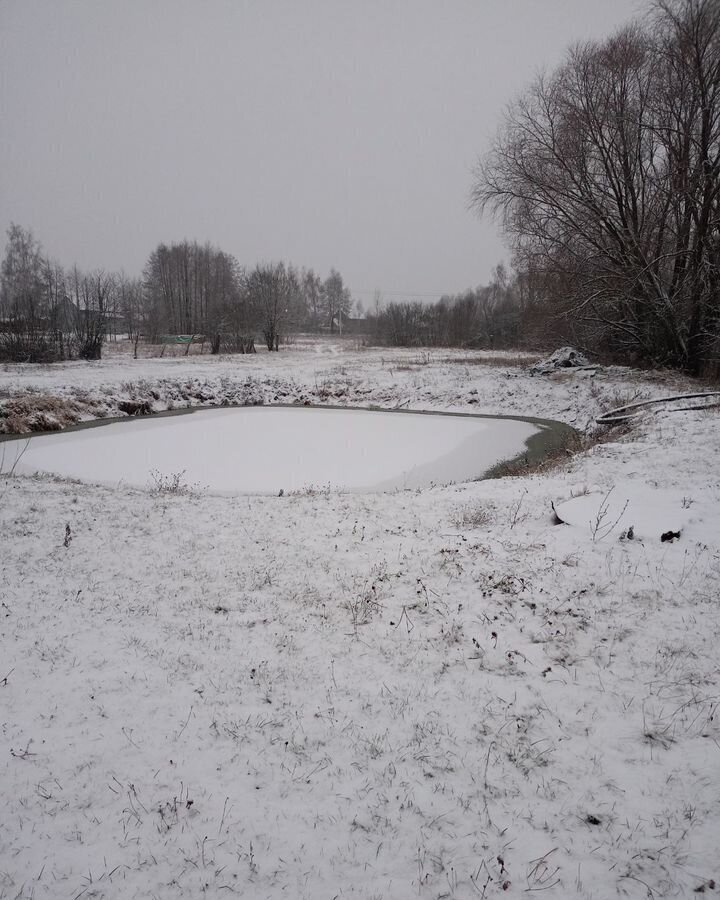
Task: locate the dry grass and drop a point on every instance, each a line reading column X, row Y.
column 617, row 399
column 33, row 412
column 501, row 362
column 473, row 515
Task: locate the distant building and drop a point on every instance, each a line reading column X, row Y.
column 348, row 325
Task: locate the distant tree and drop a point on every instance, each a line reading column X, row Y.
column 131, row 308
column 93, row 294
column 490, row 305
column 272, row 290
column 190, row 287
column 485, row 317
column 21, row 275
column 60, row 311
column 311, row 288
column 406, row 325
column 336, row 299
column 31, row 294
column 297, row 311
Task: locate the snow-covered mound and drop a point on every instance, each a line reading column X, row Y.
column 640, row 512
column 564, row 358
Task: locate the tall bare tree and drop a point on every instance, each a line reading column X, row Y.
column 336, row 299
column 131, row 308
column 606, row 175
column 32, row 292
column 190, row 287
column 93, row 295
column 311, row 288
column 272, row 289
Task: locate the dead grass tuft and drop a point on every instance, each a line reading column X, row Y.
column 617, row 399
column 473, row 515
column 34, row 412
column 171, row 484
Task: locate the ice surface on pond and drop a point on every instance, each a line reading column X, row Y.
column 268, row 449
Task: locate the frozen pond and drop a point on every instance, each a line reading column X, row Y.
column 263, row 450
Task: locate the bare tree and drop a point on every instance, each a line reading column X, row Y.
column 606, row 174
column 189, row 287
column 336, row 299
column 32, row 292
column 93, row 294
column 271, row 289
column 687, row 37
column 312, row 293
column 131, row 308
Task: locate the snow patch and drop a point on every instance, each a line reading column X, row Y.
column 645, row 512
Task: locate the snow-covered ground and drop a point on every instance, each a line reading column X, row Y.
column 433, row 693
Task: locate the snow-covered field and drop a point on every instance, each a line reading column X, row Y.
column 432, row 693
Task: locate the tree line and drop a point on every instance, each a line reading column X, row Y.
column 487, row 317
column 49, row 313
column 189, row 289
column 606, row 176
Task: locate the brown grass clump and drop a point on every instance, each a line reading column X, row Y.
column 34, row 412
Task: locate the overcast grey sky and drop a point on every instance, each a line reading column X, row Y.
column 323, row 132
